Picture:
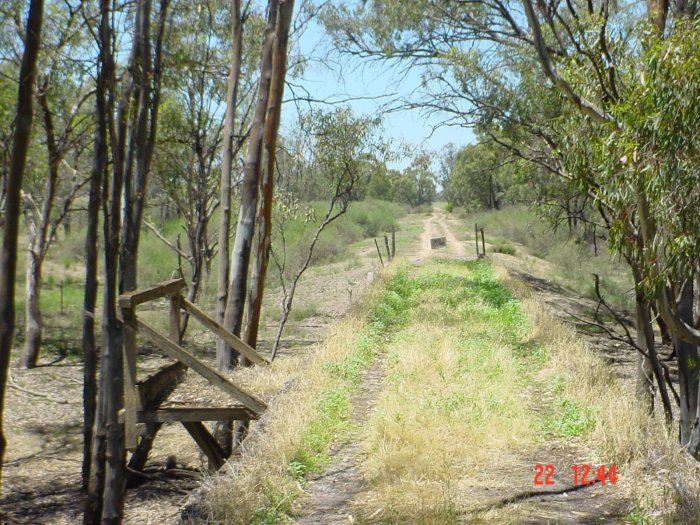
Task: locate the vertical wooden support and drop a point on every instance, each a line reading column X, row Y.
column 379, row 252
column 483, row 243
column 388, row 251
column 476, row 238
column 393, row 241
column 207, row 443
column 132, row 398
column 175, row 323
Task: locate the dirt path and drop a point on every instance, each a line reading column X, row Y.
column 436, row 226
column 331, row 494
column 334, row 497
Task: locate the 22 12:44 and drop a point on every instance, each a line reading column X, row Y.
column 583, row 474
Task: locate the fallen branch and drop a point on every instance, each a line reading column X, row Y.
column 14, row 385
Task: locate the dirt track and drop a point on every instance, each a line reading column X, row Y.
column 335, row 497
column 436, row 226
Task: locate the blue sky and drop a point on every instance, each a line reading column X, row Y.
column 370, row 85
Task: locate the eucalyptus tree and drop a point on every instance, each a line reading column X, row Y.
column 334, row 146
column 64, row 91
column 191, row 126
column 18, row 159
column 131, row 108
column 263, row 135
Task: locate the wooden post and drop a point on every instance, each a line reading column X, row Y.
column 483, row 244
column 175, row 301
column 379, row 252
column 388, row 251
column 393, row 241
column 476, row 238
column 132, row 398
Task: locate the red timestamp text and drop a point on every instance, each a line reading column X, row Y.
column 582, row 474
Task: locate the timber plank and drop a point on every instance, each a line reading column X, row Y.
column 159, row 386
column 192, row 414
column 132, row 399
column 208, row 444
column 215, row 378
column 132, row 299
column 234, row 342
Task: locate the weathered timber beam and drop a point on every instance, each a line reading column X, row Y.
column 208, row 444
column 215, row 378
column 190, row 414
column 234, row 342
column 160, row 385
column 132, row 299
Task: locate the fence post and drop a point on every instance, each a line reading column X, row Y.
column 388, row 251
column 476, row 238
column 483, row 244
column 175, row 318
column 393, row 241
column 379, row 252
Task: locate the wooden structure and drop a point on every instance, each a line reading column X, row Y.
column 143, row 400
column 438, row 242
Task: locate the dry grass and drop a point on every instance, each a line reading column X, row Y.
column 454, row 411
column 453, row 407
column 260, row 487
column 657, row 475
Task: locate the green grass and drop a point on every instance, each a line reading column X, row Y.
column 333, row 410
column 569, row 421
column 457, row 366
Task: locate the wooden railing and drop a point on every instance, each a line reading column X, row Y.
column 143, row 400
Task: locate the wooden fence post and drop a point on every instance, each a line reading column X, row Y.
column 483, row 244
column 132, row 398
column 388, row 251
column 476, row 238
column 175, row 305
column 379, row 252
column 393, row 241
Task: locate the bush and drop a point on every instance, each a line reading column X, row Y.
column 503, row 247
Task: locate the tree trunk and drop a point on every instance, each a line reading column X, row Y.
column 646, row 342
column 99, row 168
column 39, row 243
column 8, row 256
column 240, row 256
column 136, row 173
column 688, row 376
column 645, row 374
column 272, row 122
column 32, row 328
column 226, row 171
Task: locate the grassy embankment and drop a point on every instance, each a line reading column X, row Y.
column 62, row 292
column 568, row 261
column 467, row 364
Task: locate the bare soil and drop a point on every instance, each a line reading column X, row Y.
column 331, row 494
